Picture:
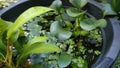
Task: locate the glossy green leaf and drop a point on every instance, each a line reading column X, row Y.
column 15, row 36
column 74, row 12
column 64, row 60
column 38, row 48
column 35, row 40
column 90, row 24
column 56, row 5
column 4, row 25
column 108, row 9
column 79, row 3
column 57, row 30
column 26, row 16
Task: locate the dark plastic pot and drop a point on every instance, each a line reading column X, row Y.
column 111, row 38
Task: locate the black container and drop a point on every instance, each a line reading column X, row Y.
column 111, row 38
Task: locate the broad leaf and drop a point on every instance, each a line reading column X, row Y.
column 64, row 60
column 38, row 48
column 15, row 36
column 26, row 16
column 56, row 5
column 35, row 40
column 108, row 10
column 57, row 30
column 78, row 3
column 90, row 24
column 74, row 12
column 4, row 25
column 7, row 25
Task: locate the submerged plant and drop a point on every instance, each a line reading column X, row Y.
column 48, row 37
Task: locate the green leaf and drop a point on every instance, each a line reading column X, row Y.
column 116, row 5
column 2, row 57
column 19, row 43
column 79, row 3
column 74, row 12
column 57, row 30
column 26, row 16
column 64, row 60
column 38, row 48
column 2, row 45
column 108, row 9
column 65, row 17
column 15, row 36
column 90, row 24
column 56, row 5
column 4, row 25
column 35, row 40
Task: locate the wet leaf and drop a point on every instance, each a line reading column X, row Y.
column 78, row 3
column 90, row 24
column 74, row 12
column 64, row 60
column 57, row 30
column 56, row 5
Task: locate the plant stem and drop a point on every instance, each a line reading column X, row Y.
column 77, row 23
column 9, row 54
column 17, row 65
